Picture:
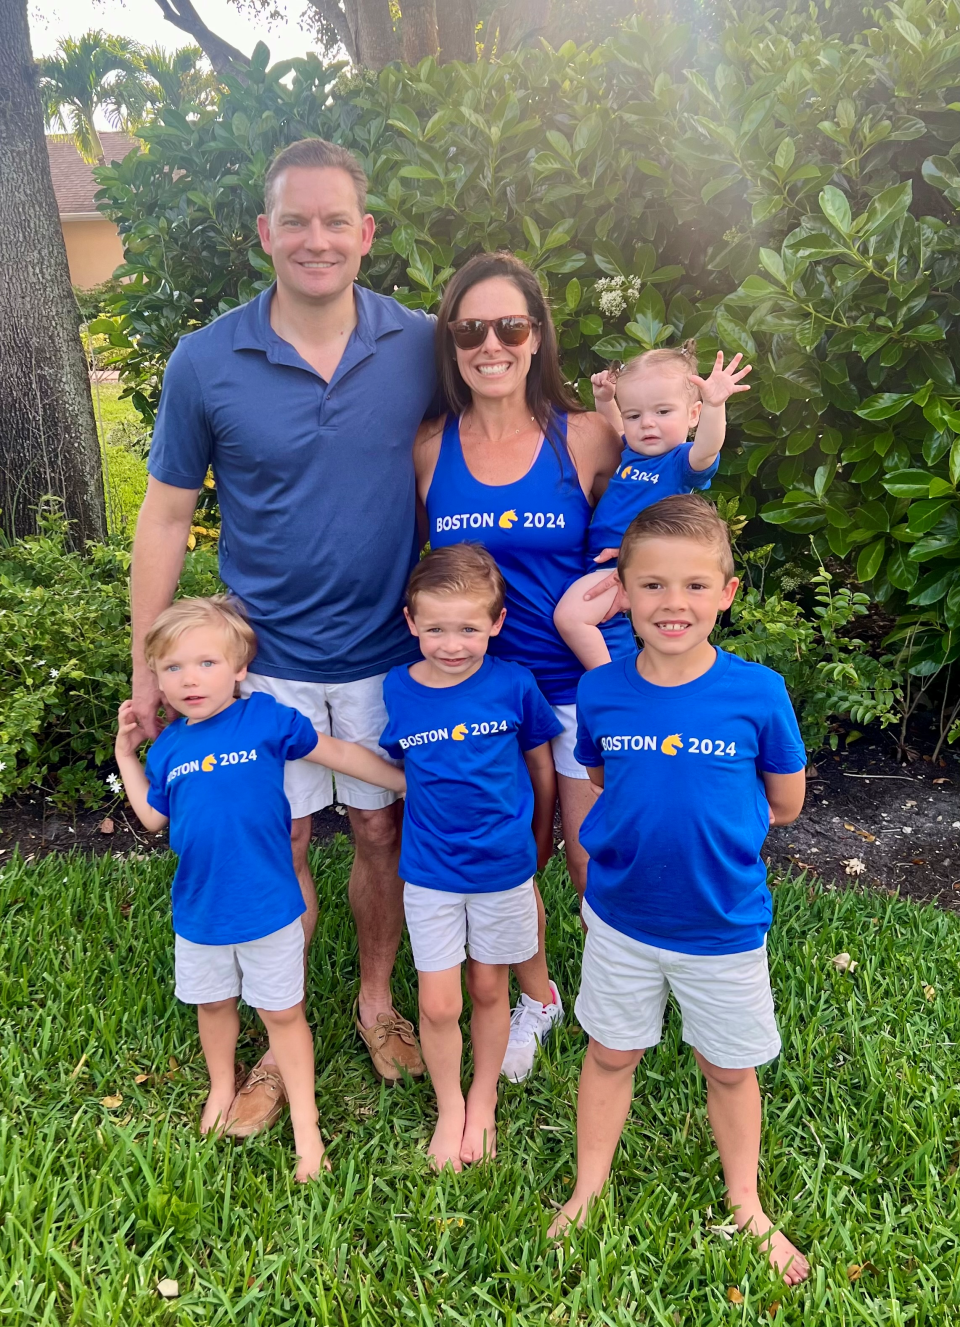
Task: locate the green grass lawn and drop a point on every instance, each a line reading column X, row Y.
column 99, row 1203
column 124, row 471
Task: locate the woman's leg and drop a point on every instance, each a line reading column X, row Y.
column 441, row 1003
column 489, row 987
column 577, row 796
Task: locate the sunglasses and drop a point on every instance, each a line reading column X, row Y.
column 469, row 333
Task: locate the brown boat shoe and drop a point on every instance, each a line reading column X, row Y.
column 258, row 1104
column 393, row 1046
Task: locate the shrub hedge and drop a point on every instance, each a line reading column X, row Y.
column 779, row 189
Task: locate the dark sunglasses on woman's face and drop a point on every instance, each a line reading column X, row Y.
column 469, row 333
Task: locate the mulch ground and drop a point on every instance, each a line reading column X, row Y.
column 870, row 818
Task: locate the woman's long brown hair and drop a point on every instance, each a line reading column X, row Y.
column 547, row 393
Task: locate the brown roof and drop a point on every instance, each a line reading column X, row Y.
column 73, row 181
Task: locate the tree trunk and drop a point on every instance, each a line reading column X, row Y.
column 226, row 59
column 419, row 30
column 377, row 41
column 48, row 436
column 457, row 30
column 339, row 20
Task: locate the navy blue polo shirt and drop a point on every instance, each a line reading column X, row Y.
column 315, row 479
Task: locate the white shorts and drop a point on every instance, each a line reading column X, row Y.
column 496, row 928
column 352, row 711
column 563, row 745
column 265, row 973
column 725, row 999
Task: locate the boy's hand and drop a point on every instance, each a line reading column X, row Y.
column 130, row 735
column 723, row 382
column 604, row 386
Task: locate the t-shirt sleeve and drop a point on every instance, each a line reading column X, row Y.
column 586, row 752
column 182, row 446
column 389, row 738
column 156, row 772
column 780, row 748
column 690, row 478
column 297, row 735
column 538, row 723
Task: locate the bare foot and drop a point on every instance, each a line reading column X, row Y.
column 215, row 1110
column 311, row 1156
column 444, row 1149
column 785, row 1258
column 573, row 1213
column 480, row 1132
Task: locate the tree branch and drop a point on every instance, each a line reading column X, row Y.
column 332, row 14
column 226, row 59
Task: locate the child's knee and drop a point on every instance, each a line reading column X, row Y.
column 214, row 1007
column 611, row 1061
column 440, row 1004
column 280, row 1019
column 487, row 983
column 718, row 1077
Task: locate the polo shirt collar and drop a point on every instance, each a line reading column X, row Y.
column 376, row 317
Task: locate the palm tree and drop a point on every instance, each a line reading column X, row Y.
column 95, row 72
column 177, row 78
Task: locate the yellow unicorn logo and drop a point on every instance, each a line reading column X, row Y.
column 672, row 744
column 208, row 763
column 507, row 519
column 627, row 470
column 460, row 732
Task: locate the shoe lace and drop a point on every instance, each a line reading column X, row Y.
column 524, row 1022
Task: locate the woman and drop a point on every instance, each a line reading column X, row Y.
column 517, row 465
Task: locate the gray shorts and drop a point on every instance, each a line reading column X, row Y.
column 352, row 711
column 265, row 973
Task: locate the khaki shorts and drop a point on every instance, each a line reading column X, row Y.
column 725, row 999
column 265, row 973
column 352, row 711
column 498, row 927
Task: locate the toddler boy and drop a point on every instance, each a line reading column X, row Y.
column 474, row 733
column 216, row 774
column 697, row 753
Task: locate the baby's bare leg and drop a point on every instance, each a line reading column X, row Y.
column 441, row 1003
column 292, row 1046
column 489, row 987
column 733, row 1105
column 603, row 1102
column 578, row 619
column 219, row 1028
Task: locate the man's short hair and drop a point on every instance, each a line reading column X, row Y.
column 218, row 612
column 317, row 154
column 464, row 569
column 680, row 516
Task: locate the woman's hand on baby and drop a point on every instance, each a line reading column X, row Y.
column 723, row 382
column 130, row 735
column 604, row 385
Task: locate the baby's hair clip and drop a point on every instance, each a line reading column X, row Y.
column 616, row 367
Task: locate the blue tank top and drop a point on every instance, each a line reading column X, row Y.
column 536, row 531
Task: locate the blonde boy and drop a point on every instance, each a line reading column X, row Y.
column 216, row 774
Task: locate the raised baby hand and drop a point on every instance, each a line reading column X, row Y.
column 723, row 382
column 604, row 386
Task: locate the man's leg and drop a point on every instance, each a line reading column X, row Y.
column 376, row 900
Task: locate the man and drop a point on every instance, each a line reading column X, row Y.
column 305, row 402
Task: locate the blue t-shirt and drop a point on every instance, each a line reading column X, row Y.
column 467, row 820
column 315, row 480
column 640, row 481
column 535, row 529
column 220, row 781
column 675, row 837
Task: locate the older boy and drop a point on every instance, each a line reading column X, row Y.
column 698, row 754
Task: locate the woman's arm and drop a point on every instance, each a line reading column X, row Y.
column 595, row 448
column 543, row 776
column 351, row 758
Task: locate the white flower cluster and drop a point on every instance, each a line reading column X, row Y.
column 114, row 784
column 613, row 293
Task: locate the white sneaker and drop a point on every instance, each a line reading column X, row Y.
column 530, row 1024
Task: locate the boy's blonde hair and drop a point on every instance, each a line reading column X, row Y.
column 680, row 516
column 465, row 569
column 219, row 612
column 681, row 358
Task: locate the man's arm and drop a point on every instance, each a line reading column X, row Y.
column 543, row 776
column 159, row 547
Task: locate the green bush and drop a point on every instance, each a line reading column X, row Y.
column 781, row 188
column 65, row 658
